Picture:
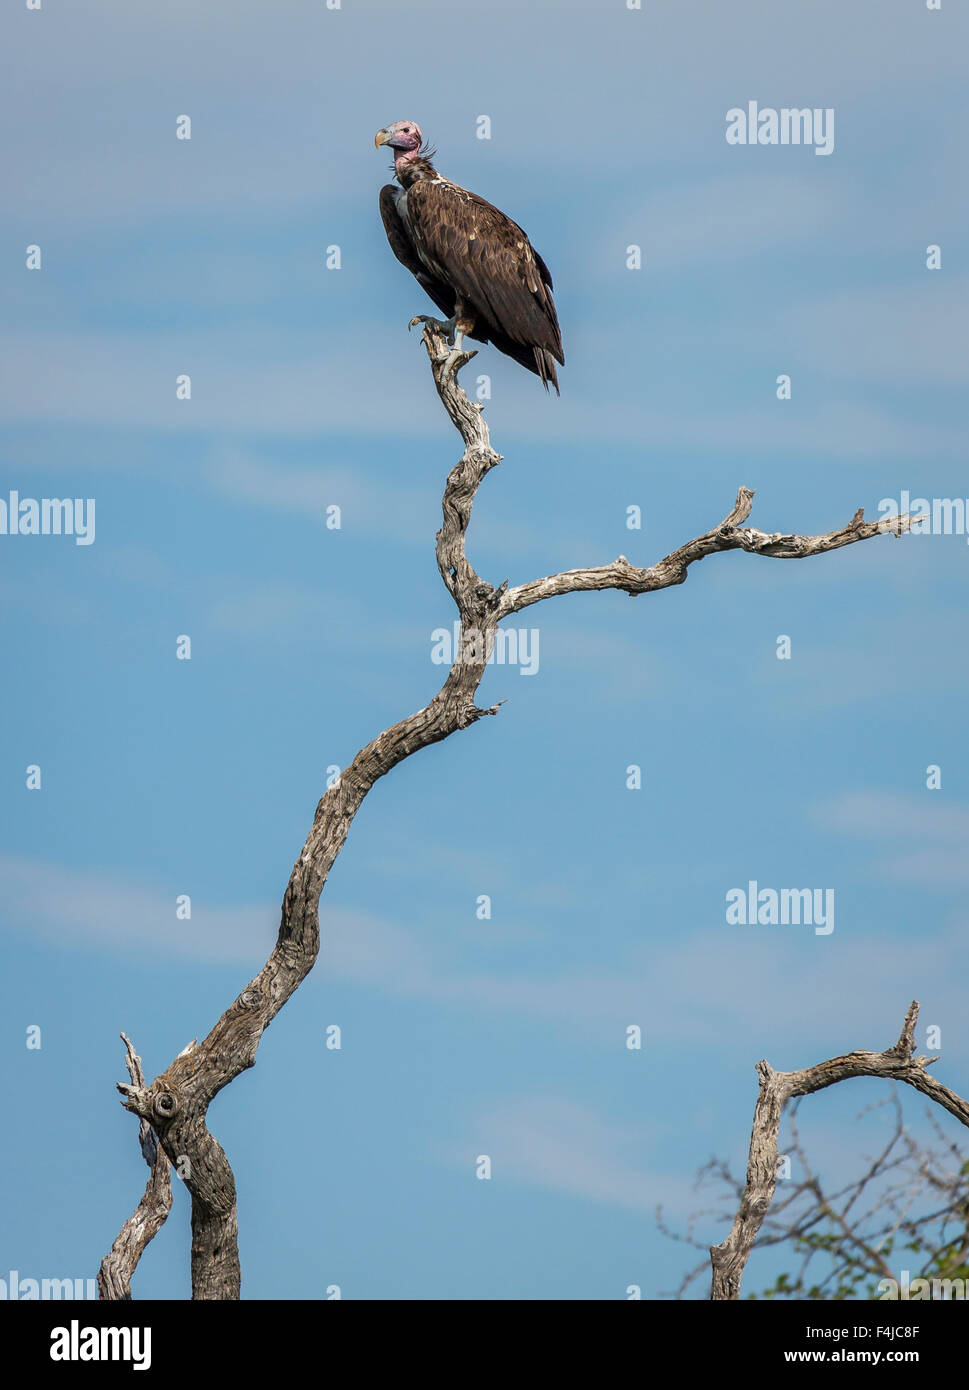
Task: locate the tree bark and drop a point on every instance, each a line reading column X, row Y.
column 176, row 1103
column 897, row 1063
column 118, row 1265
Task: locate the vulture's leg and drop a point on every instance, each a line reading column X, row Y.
column 454, row 330
column 457, row 357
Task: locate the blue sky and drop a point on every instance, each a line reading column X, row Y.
column 163, row 777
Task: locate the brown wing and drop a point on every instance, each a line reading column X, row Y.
column 489, row 263
column 405, row 251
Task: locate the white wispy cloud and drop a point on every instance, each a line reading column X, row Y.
column 892, row 815
column 303, row 383
column 695, row 986
column 888, row 333
column 564, row 1146
column 729, row 218
column 923, row 839
column 88, row 907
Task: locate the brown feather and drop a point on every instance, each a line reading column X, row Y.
column 489, row 262
column 463, row 250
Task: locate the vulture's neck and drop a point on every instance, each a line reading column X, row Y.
column 413, row 170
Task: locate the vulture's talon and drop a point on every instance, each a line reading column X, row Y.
column 445, row 327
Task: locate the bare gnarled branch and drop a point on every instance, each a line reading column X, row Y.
column 121, row 1261
column 897, row 1063
column 176, row 1103
column 729, row 535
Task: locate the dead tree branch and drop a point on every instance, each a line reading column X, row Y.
column 176, row 1103
column 897, row 1063
column 121, row 1261
column 905, row 1193
column 729, row 535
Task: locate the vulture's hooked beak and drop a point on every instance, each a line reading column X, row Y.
column 381, row 138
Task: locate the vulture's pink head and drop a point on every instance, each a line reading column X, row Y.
column 404, row 138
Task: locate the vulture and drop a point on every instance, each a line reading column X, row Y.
column 476, row 264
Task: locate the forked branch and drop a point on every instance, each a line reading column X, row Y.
column 121, row 1261
column 897, row 1063
column 176, row 1103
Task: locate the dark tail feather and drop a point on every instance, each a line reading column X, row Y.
column 535, row 359
column 545, row 367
